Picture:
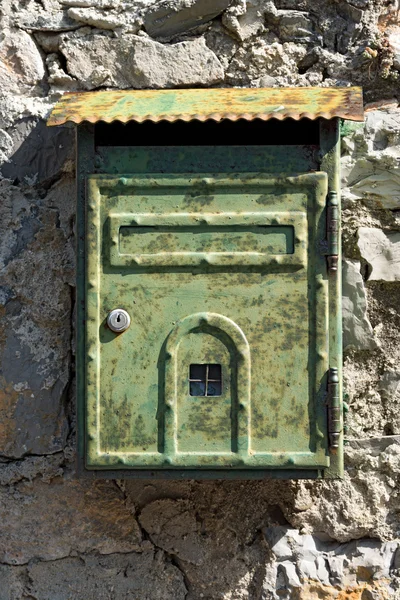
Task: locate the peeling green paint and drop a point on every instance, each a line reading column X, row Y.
column 258, row 309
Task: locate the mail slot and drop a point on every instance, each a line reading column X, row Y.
column 209, row 327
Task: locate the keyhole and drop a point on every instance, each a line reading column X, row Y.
column 118, row 319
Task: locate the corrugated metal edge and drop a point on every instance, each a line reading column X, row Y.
column 212, row 117
column 340, row 112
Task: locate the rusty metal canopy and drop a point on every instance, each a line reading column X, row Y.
column 203, row 104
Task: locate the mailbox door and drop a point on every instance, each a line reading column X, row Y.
column 225, row 360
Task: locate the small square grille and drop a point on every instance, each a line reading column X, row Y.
column 205, row 380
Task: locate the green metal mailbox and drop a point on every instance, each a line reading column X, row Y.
column 209, row 326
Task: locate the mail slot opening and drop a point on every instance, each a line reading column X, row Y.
column 209, row 133
column 267, row 239
column 205, row 380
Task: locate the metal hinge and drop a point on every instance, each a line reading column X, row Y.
column 332, row 230
column 334, row 410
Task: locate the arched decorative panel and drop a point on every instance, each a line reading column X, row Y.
column 207, row 430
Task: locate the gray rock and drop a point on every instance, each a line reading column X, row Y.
column 326, row 563
column 6, row 144
column 12, row 581
column 357, row 330
column 169, row 17
column 290, row 577
column 371, row 170
column 267, row 81
column 322, row 571
column 290, row 25
column 242, row 18
column 48, row 41
column 47, row 15
column 396, row 560
column 381, row 250
column 47, row 467
column 308, row 569
column 58, row 78
column 100, row 4
column 47, row 21
column 375, row 558
column 21, row 65
column 374, row 446
column 335, row 566
column 127, row 20
column 138, row 62
column 308, row 544
column 14, row 109
column 276, row 537
column 389, row 387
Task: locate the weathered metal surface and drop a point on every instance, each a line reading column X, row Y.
column 333, row 230
column 334, row 408
column 203, row 104
column 330, row 158
column 204, row 285
column 225, row 159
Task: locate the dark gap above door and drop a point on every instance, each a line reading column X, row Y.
column 208, row 133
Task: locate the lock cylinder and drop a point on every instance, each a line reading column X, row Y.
column 118, row 320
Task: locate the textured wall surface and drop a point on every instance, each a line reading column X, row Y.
column 66, row 539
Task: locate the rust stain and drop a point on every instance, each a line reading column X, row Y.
column 214, row 104
column 8, row 424
column 313, row 590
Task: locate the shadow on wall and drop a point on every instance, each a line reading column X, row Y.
column 39, row 152
column 36, row 289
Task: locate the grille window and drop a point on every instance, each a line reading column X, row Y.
column 205, row 380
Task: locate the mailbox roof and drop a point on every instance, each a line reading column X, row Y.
column 203, row 104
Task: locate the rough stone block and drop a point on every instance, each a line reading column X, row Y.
column 12, row 581
column 276, row 538
column 290, row 578
column 21, row 65
column 370, row 169
column 138, row 62
column 47, row 467
column 357, row 329
column 290, row 25
column 345, row 566
column 381, row 250
column 37, row 260
column 368, row 502
column 48, row 521
column 147, row 576
column 308, row 569
column 127, row 20
column 389, row 388
column 168, row 18
column 172, row 526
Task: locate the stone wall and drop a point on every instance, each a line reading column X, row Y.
column 62, row 538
